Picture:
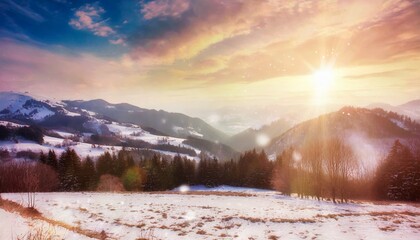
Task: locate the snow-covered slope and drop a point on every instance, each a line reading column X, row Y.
column 70, row 120
column 370, row 132
column 22, row 106
column 59, row 145
column 173, row 124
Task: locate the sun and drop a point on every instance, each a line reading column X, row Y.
column 322, row 79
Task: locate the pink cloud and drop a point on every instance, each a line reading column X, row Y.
column 196, row 26
column 88, row 17
column 164, row 8
column 27, row 67
column 119, row 41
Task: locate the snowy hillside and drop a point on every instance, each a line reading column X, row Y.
column 172, row 124
column 21, row 106
column 63, row 141
column 74, row 122
column 371, row 133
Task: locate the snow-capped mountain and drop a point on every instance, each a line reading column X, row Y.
column 19, row 106
column 370, row 132
column 94, row 127
column 172, row 124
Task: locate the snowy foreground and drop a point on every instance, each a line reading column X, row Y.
column 246, row 214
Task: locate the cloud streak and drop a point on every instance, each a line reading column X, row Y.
column 22, row 9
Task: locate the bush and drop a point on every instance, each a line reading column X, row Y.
column 109, row 183
column 133, row 179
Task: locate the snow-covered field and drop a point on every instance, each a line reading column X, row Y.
column 231, row 214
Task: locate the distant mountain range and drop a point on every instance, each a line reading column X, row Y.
column 251, row 138
column 119, row 122
column 411, row 109
column 172, row 124
column 373, row 128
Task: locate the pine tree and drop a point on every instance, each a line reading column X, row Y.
column 178, row 171
column 42, row 157
column 104, row 164
column 89, row 178
column 122, row 162
column 69, row 168
column 52, row 159
column 398, row 177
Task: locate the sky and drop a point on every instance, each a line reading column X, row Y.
column 235, row 63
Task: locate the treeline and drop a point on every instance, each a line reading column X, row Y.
column 121, row 172
column 328, row 169
column 32, row 133
column 252, row 169
column 157, row 173
column 320, row 168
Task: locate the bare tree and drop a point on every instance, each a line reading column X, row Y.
column 313, row 155
column 340, row 163
column 31, row 182
column 27, row 177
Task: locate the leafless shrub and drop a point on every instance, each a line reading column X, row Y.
column 41, row 232
column 147, row 234
column 27, row 177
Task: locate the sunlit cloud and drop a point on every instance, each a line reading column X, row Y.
column 89, row 17
column 239, row 54
column 164, row 8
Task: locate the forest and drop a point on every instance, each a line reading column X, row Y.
column 319, row 169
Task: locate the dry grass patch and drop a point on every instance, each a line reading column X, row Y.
column 206, row 193
column 286, row 220
column 253, row 219
column 381, row 215
column 388, row 228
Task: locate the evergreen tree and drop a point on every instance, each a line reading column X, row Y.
column 42, row 157
column 122, row 162
column 69, row 168
column 178, row 171
column 104, row 164
column 398, row 177
column 153, row 173
column 88, row 176
column 52, row 159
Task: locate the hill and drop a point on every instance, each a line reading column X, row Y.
column 369, row 132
